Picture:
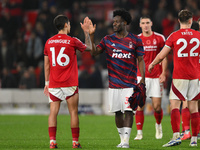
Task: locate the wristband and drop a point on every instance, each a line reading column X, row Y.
column 46, row 82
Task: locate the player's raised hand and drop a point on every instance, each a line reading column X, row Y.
column 92, row 27
column 85, row 25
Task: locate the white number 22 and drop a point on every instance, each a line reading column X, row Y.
column 181, row 40
column 59, row 57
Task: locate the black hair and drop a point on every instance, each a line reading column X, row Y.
column 195, row 26
column 125, row 15
column 184, row 16
column 145, row 17
column 59, row 22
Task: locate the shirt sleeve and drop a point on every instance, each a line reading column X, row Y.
column 45, row 51
column 139, row 47
column 102, row 45
column 169, row 42
column 79, row 45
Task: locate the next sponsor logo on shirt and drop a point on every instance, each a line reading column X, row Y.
column 118, row 54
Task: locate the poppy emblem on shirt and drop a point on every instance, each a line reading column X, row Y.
column 130, row 44
column 148, row 42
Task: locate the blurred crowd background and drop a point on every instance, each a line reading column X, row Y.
column 25, row 25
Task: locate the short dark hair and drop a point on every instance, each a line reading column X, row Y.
column 125, row 15
column 195, row 26
column 184, row 15
column 59, row 22
column 145, row 17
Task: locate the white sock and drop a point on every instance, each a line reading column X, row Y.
column 127, row 133
column 176, row 135
column 139, row 131
column 121, row 134
column 54, row 141
column 194, row 138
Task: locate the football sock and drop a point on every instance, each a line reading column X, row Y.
column 195, row 123
column 139, row 118
column 185, row 113
column 158, row 116
column 175, row 120
column 75, row 134
column 199, row 120
column 127, row 133
column 52, row 133
column 121, row 134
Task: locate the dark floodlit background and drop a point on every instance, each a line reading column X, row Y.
column 25, row 25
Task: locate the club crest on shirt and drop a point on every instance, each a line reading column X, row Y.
column 154, row 41
column 130, row 44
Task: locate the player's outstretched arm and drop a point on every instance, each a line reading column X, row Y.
column 85, row 26
column 163, row 53
column 46, row 73
column 162, row 77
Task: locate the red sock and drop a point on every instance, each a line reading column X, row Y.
column 139, row 118
column 195, row 123
column 186, row 118
column 175, row 120
column 52, row 133
column 75, row 134
column 199, row 120
column 158, row 116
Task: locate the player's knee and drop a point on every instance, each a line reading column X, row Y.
column 157, row 108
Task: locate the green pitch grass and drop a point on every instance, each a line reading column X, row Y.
column 19, row 132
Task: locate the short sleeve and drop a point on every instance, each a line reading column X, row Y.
column 79, row 45
column 45, row 51
column 139, row 47
column 102, row 44
column 169, row 41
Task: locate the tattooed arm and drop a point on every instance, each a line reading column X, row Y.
column 85, row 27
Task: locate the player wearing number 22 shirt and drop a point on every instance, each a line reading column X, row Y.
column 185, row 45
column 61, row 50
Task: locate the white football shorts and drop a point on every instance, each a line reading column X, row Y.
column 63, row 93
column 153, row 87
column 182, row 89
column 118, row 99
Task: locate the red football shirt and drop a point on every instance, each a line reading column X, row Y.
column 185, row 45
column 61, row 50
column 152, row 46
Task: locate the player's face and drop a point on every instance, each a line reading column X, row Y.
column 118, row 24
column 145, row 25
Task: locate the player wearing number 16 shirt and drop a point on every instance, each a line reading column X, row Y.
column 185, row 45
column 61, row 75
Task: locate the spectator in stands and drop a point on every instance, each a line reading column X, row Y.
column 8, row 24
column 7, row 55
column 34, row 50
column 28, row 80
column 168, row 24
column 41, row 32
column 20, row 49
column 27, row 32
column 8, row 80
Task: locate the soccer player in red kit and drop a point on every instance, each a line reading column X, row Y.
column 153, row 42
column 186, row 48
column 61, row 75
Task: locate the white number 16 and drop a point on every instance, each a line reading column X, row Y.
column 59, row 57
